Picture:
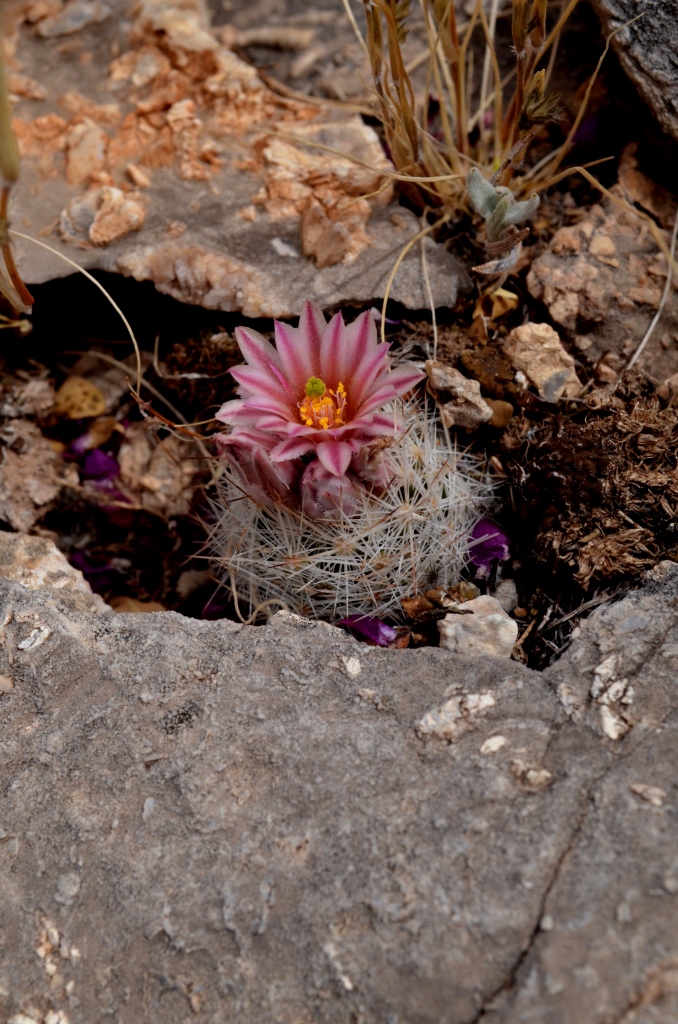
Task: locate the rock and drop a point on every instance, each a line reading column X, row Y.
column 507, row 595
column 537, row 351
column 502, row 412
column 223, row 822
column 465, row 407
column 602, row 281
column 488, row 630
column 32, row 474
column 37, row 564
column 159, row 475
column 174, row 162
column 648, row 50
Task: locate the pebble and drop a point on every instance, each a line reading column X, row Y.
column 352, row 667
column 493, row 744
column 613, row 727
column 444, row 722
column 536, row 350
column 488, row 630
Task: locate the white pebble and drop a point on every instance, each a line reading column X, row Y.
column 352, row 667
column 487, row 630
column 493, row 744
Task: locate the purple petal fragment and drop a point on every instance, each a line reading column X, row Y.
column 488, row 544
column 367, row 627
column 100, row 465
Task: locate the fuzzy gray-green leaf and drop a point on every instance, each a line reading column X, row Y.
column 483, row 195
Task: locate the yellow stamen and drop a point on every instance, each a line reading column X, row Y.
column 322, row 408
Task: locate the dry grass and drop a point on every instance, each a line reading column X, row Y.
column 482, row 123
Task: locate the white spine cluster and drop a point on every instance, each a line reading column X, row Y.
column 411, row 538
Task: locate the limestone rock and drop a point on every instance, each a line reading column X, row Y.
column 648, row 50
column 37, row 564
column 537, row 351
column 602, row 281
column 482, row 628
column 214, row 822
column 460, row 404
column 174, row 162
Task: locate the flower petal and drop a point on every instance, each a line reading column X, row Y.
column 361, row 338
column 333, row 352
column 257, row 382
column 257, row 351
column 291, row 448
column 295, row 356
column 312, row 326
column 396, row 383
column 372, row 368
column 335, row 456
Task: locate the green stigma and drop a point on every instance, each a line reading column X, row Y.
column 315, row 388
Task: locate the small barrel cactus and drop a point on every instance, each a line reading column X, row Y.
column 332, row 501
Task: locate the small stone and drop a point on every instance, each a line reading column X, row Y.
column 493, row 744
column 624, row 913
column 415, row 607
column 536, row 350
column 670, row 882
column 466, row 409
column 35, row 638
column 546, row 923
column 538, row 778
column 507, row 595
column 652, row 794
column 149, row 806
column 352, row 667
column 502, row 412
column 463, row 591
column 488, row 630
column 6, row 684
column 68, row 887
column 447, row 721
column 613, row 727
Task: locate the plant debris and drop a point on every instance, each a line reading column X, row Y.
column 596, row 484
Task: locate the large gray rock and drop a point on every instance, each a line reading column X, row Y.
column 209, row 822
column 648, row 51
column 150, row 149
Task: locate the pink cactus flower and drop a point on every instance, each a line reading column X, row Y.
column 310, row 417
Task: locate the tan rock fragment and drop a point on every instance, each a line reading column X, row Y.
column 452, row 718
column 602, row 279
column 652, row 794
column 36, row 563
column 487, row 630
column 161, row 476
column 465, row 408
column 537, row 351
column 119, row 213
column 86, row 145
column 32, row 474
column 102, row 215
column 186, row 127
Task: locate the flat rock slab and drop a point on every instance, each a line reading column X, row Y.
column 152, row 150
column 209, row 822
column 648, row 50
